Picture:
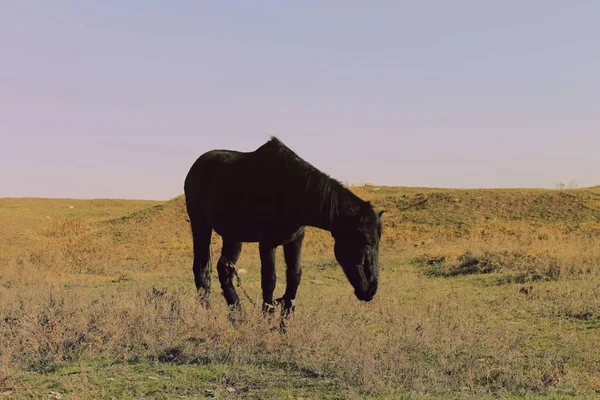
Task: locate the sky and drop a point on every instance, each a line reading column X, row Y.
column 117, row 99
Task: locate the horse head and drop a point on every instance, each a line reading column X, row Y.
column 357, row 250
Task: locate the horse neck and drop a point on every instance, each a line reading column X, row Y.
column 345, row 205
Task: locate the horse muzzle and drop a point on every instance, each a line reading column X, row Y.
column 366, row 295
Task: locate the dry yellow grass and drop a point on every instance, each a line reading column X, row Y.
column 483, row 294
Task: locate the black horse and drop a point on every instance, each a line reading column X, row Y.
column 269, row 196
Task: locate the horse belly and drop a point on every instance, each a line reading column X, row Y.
column 236, row 231
column 246, row 217
column 249, row 232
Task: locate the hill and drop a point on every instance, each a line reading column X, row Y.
column 521, row 231
column 24, row 220
column 517, row 227
column 411, row 211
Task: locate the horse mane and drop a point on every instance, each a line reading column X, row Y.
column 325, row 189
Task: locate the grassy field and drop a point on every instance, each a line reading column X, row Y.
column 483, row 294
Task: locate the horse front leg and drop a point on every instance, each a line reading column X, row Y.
column 292, row 253
column 268, row 275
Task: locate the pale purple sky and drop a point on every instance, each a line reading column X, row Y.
column 118, row 98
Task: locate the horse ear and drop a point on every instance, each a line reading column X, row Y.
column 380, row 213
column 365, row 207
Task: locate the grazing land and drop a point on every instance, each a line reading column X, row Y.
column 483, row 294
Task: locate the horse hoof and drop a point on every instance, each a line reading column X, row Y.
column 268, row 309
column 204, row 298
column 236, row 314
column 287, row 306
column 204, row 302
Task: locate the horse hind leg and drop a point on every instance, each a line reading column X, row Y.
column 202, row 267
column 230, row 253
